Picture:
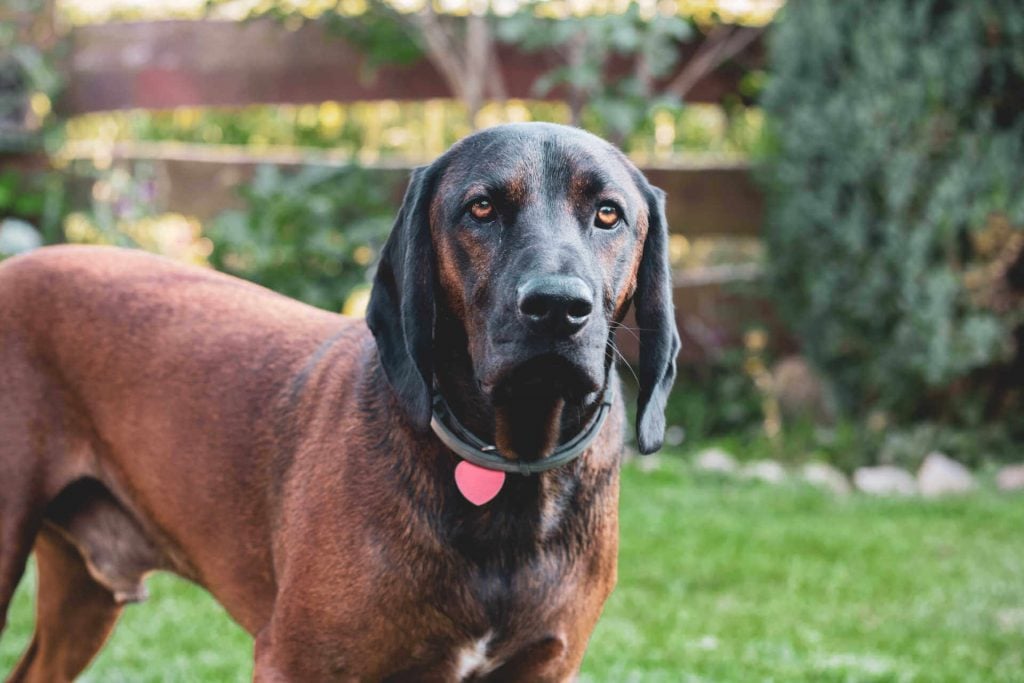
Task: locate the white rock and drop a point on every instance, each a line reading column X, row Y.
column 715, row 460
column 17, row 237
column 940, row 475
column 825, row 476
column 764, row 470
column 1011, row 477
column 884, row 480
column 674, row 435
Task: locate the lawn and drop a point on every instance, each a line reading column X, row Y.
column 719, row 581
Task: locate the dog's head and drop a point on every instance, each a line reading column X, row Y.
column 531, row 240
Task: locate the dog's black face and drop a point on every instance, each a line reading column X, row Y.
column 525, row 244
column 535, row 234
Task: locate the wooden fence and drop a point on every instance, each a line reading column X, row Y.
column 216, row 63
column 704, row 200
column 207, row 63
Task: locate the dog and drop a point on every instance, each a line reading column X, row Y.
column 427, row 495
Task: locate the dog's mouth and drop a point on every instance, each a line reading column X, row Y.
column 530, row 401
column 547, row 376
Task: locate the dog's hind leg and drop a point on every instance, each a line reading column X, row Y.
column 34, row 446
column 74, row 614
column 17, row 532
column 21, row 497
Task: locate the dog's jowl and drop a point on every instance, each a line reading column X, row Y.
column 426, row 495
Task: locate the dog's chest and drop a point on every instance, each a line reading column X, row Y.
column 473, row 659
column 512, row 619
column 490, row 657
column 512, row 600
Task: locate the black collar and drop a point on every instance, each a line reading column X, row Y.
column 467, row 446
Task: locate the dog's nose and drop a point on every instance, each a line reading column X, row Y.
column 557, row 305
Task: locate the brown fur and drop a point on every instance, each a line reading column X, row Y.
column 155, row 416
column 160, row 417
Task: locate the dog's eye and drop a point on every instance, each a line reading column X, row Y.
column 482, row 210
column 607, row 216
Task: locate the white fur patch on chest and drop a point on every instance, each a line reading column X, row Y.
column 472, row 659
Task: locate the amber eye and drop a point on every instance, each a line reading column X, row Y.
column 482, row 210
column 607, row 216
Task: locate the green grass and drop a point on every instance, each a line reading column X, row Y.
column 719, row 581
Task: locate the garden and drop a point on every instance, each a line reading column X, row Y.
column 841, row 493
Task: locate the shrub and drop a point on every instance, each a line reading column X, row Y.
column 310, row 234
column 896, row 199
column 715, row 399
column 32, row 204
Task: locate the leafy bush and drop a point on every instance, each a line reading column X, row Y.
column 907, row 447
column 715, row 399
column 310, row 234
column 32, row 206
column 29, row 78
column 616, row 108
column 897, row 199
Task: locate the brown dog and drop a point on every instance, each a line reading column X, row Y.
column 159, row 417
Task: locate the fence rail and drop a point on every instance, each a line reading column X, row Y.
column 159, row 65
column 200, row 180
column 164, row 64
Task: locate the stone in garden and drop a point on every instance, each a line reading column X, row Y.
column 884, row 480
column 1011, row 477
column 825, row 476
column 18, row 237
column 940, row 475
column 767, row 471
column 674, row 435
column 715, row 460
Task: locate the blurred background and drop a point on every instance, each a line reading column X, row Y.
column 846, row 193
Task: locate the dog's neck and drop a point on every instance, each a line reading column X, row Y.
column 529, row 430
column 554, row 509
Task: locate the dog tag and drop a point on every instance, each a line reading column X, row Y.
column 478, row 484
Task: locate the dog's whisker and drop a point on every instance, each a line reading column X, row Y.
column 332, row 435
column 632, row 330
column 624, row 361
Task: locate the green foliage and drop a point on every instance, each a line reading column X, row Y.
column 310, row 234
column 402, row 131
column 24, row 195
column 378, row 33
column 715, row 399
column 616, row 108
column 908, row 446
column 376, row 29
column 29, row 81
column 849, row 445
column 898, row 132
column 611, row 66
column 32, row 202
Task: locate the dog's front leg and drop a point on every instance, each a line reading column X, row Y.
column 283, row 655
column 263, row 670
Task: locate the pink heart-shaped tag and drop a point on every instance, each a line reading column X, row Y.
column 478, row 484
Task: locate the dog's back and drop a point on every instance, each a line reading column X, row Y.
column 125, row 380
column 156, row 416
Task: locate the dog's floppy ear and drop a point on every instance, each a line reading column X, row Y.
column 401, row 309
column 655, row 316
